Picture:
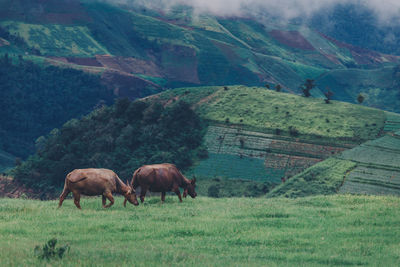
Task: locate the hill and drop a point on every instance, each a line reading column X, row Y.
column 37, row 99
column 253, row 135
column 147, row 49
column 122, row 137
column 371, row 168
column 317, row 231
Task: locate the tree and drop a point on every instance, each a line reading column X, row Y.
column 360, row 98
column 278, row 87
column 328, row 94
column 307, row 86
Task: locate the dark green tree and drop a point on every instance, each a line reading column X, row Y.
column 307, row 87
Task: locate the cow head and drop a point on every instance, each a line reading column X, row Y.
column 190, row 188
column 130, row 195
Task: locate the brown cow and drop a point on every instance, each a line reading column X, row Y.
column 94, row 182
column 162, row 178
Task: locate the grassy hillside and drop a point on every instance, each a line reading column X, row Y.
column 267, row 111
column 261, row 135
column 372, row 168
column 317, row 231
column 377, row 85
column 179, row 48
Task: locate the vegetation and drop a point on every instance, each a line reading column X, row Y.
column 360, row 98
column 307, row 87
column 49, row 250
column 122, row 138
column 223, row 187
column 35, row 100
column 323, row 178
column 314, row 231
column 266, row 110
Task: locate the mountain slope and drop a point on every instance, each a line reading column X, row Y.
column 372, row 168
column 174, row 49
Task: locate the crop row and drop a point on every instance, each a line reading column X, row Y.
column 368, row 189
column 373, row 155
column 392, row 122
column 234, row 166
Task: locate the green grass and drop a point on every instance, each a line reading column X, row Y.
column 56, row 40
column 262, row 109
column 318, row 231
column 323, row 178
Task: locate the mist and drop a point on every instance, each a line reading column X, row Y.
column 386, row 11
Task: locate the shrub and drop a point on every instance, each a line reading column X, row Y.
column 293, row 131
column 213, row 191
column 49, row 250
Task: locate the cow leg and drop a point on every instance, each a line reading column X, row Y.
column 162, row 197
column 77, row 198
column 63, row 195
column 110, row 197
column 178, row 192
column 103, row 199
column 143, row 191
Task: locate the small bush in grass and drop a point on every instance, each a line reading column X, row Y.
column 293, row 131
column 49, row 250
column 213, row 191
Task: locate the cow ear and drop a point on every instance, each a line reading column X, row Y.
column 193, row 181
column 127, row 183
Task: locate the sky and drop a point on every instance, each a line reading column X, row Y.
column 386, row 10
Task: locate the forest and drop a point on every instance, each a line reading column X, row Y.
column 36, row 99
column 122, row 137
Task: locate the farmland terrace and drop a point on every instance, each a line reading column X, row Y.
column 262, row 135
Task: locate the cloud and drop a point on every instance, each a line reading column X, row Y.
column 387, row 11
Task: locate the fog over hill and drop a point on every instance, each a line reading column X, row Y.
column 371, row 24
column 386, row 10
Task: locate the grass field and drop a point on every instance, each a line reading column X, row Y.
column 267, row 110
column 337, row 230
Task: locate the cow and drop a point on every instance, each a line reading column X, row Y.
column 162, row 178
column 95, row 182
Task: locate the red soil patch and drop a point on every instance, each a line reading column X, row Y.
column 12, row 189
column 130, row 65
column 4, row 42
column 84, row 61
column 291, row 38
column 45, row 11
column 311, row 150
column 206, row 99
column 292, row 164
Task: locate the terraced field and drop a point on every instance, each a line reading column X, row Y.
column 237, row 153
column 372, row 168
column 378, row 167
column 392, row 123
column 262, row 135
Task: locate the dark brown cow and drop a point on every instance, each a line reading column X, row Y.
column 162, row 178
column 95, row 182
